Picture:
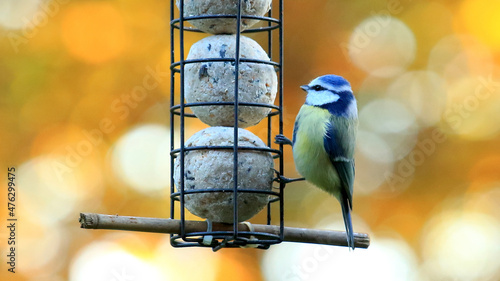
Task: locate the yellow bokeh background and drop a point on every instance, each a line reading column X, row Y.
column 84, row 119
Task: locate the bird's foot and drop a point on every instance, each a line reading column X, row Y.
column 281, row 139
column 281, row 179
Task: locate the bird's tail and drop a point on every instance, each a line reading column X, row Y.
column 346, row 212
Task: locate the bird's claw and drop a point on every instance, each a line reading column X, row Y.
column 281, row 139
column 281, row 179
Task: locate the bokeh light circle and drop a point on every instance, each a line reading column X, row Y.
column 386, row 116
column 374, row 147
column 456, row 57
column 42, row 246
column 371, row 174
column 50, row 179
column 109, row 261
column 382, row 46
column 141, row 158
column 423, row 92
column 21, row 14
column 460, row 245
column 391, row 126
column 471, row 107
column 387, row 259
column 93, row 32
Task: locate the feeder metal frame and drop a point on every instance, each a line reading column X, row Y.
column 234, row 238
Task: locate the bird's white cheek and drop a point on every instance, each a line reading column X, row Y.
column 321, row 97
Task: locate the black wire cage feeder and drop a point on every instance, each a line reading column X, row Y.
column 271, row 28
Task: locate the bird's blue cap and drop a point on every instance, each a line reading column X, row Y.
column 334, row 80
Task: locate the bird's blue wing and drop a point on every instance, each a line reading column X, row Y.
column 340, row 149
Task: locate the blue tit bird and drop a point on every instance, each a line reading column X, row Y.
column 324, row 139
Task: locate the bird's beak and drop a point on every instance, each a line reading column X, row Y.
column 304, row 87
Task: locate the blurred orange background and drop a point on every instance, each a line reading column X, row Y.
column 87, row 133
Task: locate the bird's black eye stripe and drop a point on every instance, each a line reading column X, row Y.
column 318, row 88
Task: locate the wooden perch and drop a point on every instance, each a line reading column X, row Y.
column 156, row 225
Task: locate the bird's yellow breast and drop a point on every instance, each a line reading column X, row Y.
column 310, row 157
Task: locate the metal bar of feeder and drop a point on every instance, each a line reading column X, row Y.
column 172, row 102
column 280, row 89
column 235, row 139
column 182, row 123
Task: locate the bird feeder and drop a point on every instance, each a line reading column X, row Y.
column 229, row 82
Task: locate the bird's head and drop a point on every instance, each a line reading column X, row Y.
column 331, row 92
